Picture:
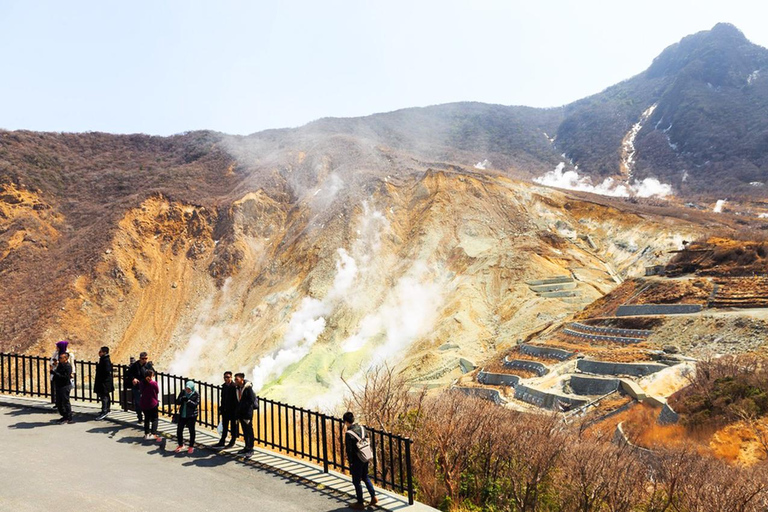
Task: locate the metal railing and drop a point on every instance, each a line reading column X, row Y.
column 284, row 428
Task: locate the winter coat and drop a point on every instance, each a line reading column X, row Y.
column 102, row 382
column 228, row 402
column 61, row 375
column 191, row 401
column 245, row 398
column 138, row 372
column 149, row 393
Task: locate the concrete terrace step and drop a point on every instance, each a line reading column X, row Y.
column 545, row 352
column 497, row 379
column 553, row 287
column 609, row 331
column 550, row 280
column 611, row 368
column 539, row 369
column 600, row 337
column 657, row 309
column 485, row 393
column 548, row 399
column 306, row 472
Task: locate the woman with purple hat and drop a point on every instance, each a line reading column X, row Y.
column 62, row 347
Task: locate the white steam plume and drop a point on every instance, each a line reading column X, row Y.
column 306, row 325
column 570, row 180
column 719, row 205
column 483, row 165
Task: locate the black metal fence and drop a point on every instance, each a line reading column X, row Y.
column 284, row 428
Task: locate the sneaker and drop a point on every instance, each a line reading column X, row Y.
column 373, row 502
column 159, row 439
column 248, row 454
column 70, row 421
column 220, row 444
column 191, row 450
column 149, row 437
column 231, row 444
column 243, row 451
column 357, row 506
column 178, row 449
column 61, row 421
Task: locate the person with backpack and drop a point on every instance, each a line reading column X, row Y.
column 149, row 405
column 228, row 411
column 359, row 454
column 61, row 375
column 102, row 382
column 188, row 399
column 246, row 403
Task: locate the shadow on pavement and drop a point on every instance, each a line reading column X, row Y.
column 24, row 425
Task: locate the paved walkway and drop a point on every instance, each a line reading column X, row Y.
column 107, row 465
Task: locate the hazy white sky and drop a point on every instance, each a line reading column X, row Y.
column 243, row 66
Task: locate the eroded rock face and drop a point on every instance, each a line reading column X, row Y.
column 297, row 295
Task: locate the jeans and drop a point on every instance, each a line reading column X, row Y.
column 186, row 422
column 62, row 402
column 105, row 403
column 229, row 422
column 136, row 397
column 150, row 416
column 247, row 426
column 359, row 471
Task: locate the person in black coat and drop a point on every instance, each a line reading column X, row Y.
column 136, row 373
column 102, row 382
column 245, row 400
column 62, row 373
column 228, row 410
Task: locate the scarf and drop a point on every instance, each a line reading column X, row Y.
column 191, row 386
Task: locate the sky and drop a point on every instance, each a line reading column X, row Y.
column 165, row 67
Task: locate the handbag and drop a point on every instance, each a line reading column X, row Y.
column 175, row 418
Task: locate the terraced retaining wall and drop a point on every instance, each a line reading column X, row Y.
column 553, row 295
column 553, row 287
column 552, row 353
column 658, row 309
column 582, row 385
column 497, row 379
column 610, row 331
column 544, row 399
column 522, row 364
column 609, row 368
column 550, row 280
column 600, row 337
column 485, row 393
column 667, row 416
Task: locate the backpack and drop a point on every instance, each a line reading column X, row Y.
column 364, row 451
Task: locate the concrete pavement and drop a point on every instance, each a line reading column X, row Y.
column 106, row 465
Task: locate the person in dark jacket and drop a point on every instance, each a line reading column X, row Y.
column 245, row 399
column 102, row 382
column 136, row 374
column 61, row 374
column 188, row 400
column 357, row 468
column 228, row 410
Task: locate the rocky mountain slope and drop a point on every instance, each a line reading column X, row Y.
column 303, row 255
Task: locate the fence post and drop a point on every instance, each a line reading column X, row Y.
column 325, row 445
column 409, row 474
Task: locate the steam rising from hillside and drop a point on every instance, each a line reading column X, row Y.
column 570, row 180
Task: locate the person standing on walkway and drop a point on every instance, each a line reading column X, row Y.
column 358, row 468
column 62, row 347
column 149, row 405
column 228, row 411
column 188, row 399
column 61, row 374
column 136, row 374
column 102, row 382
column 245, row 401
